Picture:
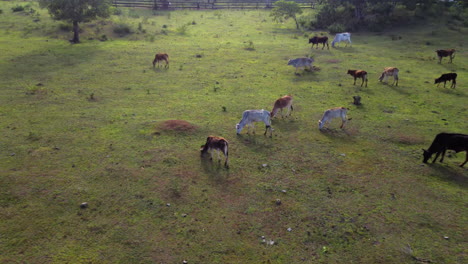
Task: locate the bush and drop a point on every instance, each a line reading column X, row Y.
column 336, row 28
column 18, row 8
column 122, row 29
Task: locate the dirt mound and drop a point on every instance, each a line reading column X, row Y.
column 177, row 125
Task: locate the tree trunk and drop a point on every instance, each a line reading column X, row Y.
column 76, row 32
column 297, row 24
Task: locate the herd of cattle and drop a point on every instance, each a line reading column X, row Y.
column 441, row 143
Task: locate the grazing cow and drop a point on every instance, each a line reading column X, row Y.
column 390, row 71
column 446, row 53
column 316, row 40
column 447, row 77
column 342, row 37
column 283, row 102
column 329, row 114
column 217, row 144
column 358, row 74
column 301, row 62
column 251, row 116
column 161, row 57
column 444, row 141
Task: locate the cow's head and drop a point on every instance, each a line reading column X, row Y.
column 238, row 129
column 426, row 155
column 320, row 123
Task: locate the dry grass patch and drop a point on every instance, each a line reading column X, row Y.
column 177, row 125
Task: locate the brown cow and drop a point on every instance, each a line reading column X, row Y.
column 161, row 57
column 283, row 102
column 358, row 74
column 446, row 53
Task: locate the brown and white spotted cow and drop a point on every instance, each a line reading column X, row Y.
column 161, row 57
column 218, row 144
column 283, row 102
column 390, row 71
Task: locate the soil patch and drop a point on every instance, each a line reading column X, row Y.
column 177, row 125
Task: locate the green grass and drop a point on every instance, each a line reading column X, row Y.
column 82, row 123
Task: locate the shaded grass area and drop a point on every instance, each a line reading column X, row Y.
column 85, row 123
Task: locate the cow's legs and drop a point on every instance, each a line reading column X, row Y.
column 436, row 156
column 443, row 155
column 466, row 160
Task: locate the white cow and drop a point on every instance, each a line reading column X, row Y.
column 333, row 113
column 301, row 62
column 342, row 37
column 251, row 116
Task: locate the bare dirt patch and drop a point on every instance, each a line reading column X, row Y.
column 177, row 125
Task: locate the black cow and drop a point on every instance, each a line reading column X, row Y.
column 444, row 141
column 316, row 40
column 446, row 53
column 447, row 77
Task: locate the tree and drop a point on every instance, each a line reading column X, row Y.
column 76, row 11
column 286, row 9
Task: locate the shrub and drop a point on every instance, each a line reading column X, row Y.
column 336, row 28
column 122, row 29
column 65, row 27
column 18, row 8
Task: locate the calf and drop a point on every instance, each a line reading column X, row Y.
column 444, row 141
column 329, row 114
column 358, row 74
column 342, row 37
column 301, row 62
column 283, row 102
column 446, row 53
column 217, row 144
column 161, row 57
column 447, row 77
column 316, row 40
column 390, row 71
column 251, row 116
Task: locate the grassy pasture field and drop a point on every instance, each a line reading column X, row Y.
column 88, row 123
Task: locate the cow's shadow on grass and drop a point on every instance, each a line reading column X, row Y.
column 451, row 91
column 160, row 69
column 345, row 135
column 284, row 124
column 402, row 90
column 215, row 170
column 450, row 173
column 257, row 142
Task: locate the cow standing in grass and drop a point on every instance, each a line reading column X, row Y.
column 301, row 62
column 446, row 53
column 218, row 144
column 251, row 116
column 390, row 71
column 283, row 102
column 342, row 37
column 328, row 115
column 161, row 57
column 444, row 141
column 447, row 77
column 319, row 40
column 358, row 74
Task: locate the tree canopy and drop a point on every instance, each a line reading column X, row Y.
column 76, row 11
column 286, row 9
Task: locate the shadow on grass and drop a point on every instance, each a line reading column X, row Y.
column 399, row 89
column 285, row 124
column 452, row 91
column 451, row 174
column 257, row 142
column 215, row 170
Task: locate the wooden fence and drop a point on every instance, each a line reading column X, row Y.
column 206, row 4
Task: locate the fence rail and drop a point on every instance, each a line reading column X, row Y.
column 205, row 4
